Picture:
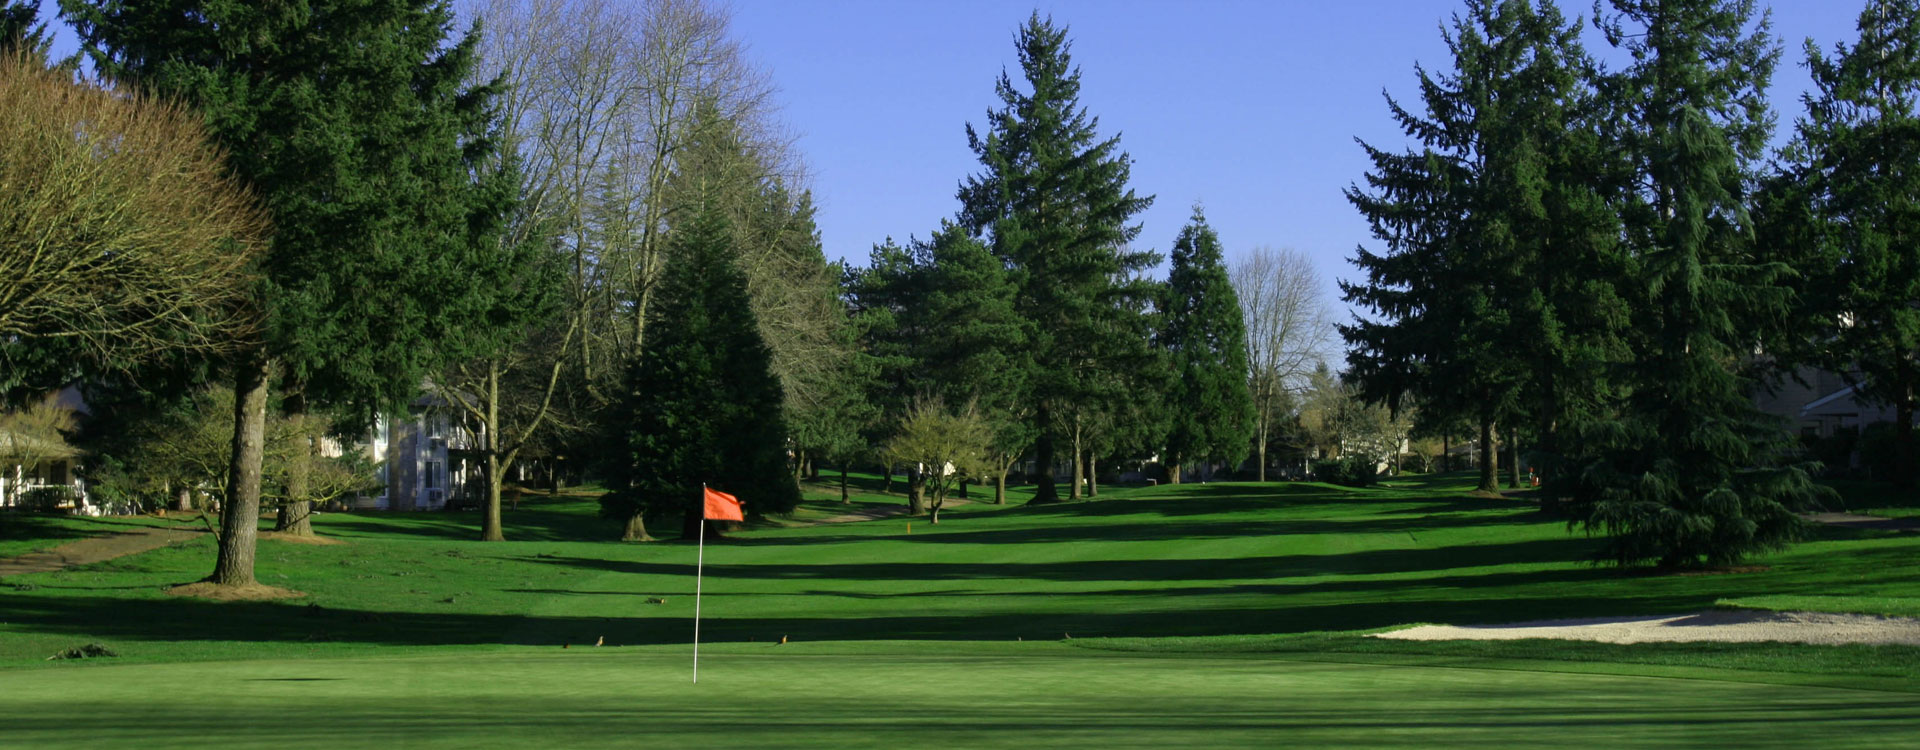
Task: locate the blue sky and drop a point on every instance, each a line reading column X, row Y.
column 1247, row 107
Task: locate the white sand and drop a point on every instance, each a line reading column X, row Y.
column 1741, row 625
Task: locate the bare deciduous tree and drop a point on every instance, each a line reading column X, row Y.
column 122, row 233
column 1287, row 331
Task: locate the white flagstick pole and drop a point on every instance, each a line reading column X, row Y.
column 699, row 566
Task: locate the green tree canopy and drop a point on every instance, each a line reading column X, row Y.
column 1053, row 201
column 357, row 127
column 1689, row 474
column 1210, row 409
column 1493, row 298
column 1856, row 161
column 701, row 405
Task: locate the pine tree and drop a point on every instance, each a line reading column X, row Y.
column 1052, row 198
column 1495, row 297
column 357, row 126
column 883, row 302
column 701, row 404
column 1210, row 410
column 20, row 31
column 1857, row 156
column 1689, row 473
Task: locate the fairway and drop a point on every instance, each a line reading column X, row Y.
column 1186, row 616
column 886, row 695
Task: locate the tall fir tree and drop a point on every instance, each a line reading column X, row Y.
column 1053, row 201
column 1856, row 161
column 1486, row 302
column 356, row 125
column 1209, row 409
column 1690, row 473
column 701, row 405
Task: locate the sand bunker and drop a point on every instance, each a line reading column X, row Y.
column 1738, row 625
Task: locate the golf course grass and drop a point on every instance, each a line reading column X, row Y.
column 1193, row 615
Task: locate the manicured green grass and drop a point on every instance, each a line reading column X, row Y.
column 1213, row 615
column 893, row 695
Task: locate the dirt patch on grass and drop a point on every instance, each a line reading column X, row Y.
column 281, row 536
column 1859, row 521
column 255, row 592
column 1733, row 626
column 87, row 551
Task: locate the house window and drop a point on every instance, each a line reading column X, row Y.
column 431, row 480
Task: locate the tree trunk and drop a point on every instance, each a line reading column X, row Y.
column 1261, row 450
column 636, row 529
column 183, row 498
column 240, row 513
column 799, row 466
column 887, row 486
column 1513, row 452
column 491, row 528
column 916, row 491
column 963, row 488
column 295, row 516
column 1044, row 491
column 690, row 526
column 843, row 483
column 1073, row 489
column 1489, row 480
column 933, row 506
column 1173, row 472
column 1000, row 487
column 1446, row 453
column 1093, row 476
column 1903, row 449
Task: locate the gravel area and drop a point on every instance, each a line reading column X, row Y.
column 1740, row 625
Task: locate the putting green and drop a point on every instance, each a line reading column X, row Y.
column 931, row 694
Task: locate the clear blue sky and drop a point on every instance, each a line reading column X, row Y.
column 1249, row 107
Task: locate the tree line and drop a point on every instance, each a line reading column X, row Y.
column 578, row 226
column 1606, row 259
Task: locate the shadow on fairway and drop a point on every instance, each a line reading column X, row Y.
column 1552, row 551
column 1178, row 608
column 190, row 620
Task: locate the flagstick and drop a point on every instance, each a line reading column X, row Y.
column 700, row 563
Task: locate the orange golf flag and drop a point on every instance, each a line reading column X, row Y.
column 723, row 507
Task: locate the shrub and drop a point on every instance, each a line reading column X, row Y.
column 1351, row 471
column 48, row 499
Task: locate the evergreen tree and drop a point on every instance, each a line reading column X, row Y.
column 1052, row 198
column 882, row 300
column 1210, row 410
column 975, row 351
column 1689, row 473
column 701, row 404
column 1857, row 157
column 1497, row 276
column 355, row 124
column 20, row 31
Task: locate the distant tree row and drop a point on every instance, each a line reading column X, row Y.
column 1032, row 314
